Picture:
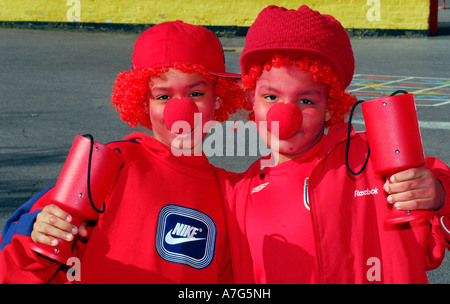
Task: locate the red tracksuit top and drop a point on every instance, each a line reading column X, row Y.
column 164, row 223
column 342, row 238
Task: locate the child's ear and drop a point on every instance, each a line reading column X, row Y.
column 218, row 103
column 328, row 115
column 251, row 97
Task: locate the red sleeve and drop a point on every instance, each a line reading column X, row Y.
column 440, row 234
column 442, row 217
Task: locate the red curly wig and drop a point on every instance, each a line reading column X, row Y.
column 130, row 93
column 339, row 102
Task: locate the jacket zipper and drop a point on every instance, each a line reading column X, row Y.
column 311, row 204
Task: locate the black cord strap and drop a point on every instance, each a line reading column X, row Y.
column 347, row 148
column 89, row 176
column 349, row 131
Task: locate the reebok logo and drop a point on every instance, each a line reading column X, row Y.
column 184, row 233
column 366, row 192
column 185, row 236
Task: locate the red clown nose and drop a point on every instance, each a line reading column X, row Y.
column 288, row 115
column 180, row 110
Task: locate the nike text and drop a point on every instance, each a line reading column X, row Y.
column 185, row 230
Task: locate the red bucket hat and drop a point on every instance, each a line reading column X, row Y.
column 182, row 43
column 299, row 33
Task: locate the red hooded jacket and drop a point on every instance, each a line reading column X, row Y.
column 349, row 241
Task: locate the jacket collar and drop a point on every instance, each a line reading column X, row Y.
column 337, row 134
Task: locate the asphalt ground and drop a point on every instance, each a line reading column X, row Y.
column 57, row 84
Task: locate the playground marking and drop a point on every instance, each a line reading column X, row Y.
column 428, row 91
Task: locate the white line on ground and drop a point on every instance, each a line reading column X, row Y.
column 441, row 125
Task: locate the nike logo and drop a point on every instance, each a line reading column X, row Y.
column 177, row 232
column 260, row 187
column 185, row 232
column 174, row 241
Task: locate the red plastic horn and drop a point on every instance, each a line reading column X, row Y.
column 395, row 142
column 85, row 180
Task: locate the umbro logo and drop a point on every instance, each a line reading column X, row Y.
column 185, row 236
column 259, row 188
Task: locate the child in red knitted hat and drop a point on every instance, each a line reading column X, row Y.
column 164, row 222
column 298, row 216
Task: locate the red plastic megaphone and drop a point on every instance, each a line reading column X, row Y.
column 395, row 144
column 85, row 180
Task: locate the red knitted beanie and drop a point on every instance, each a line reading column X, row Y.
column 299, row 33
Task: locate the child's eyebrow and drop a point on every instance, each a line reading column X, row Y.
column 190, row 86
column 201, row 82
column 162, row 89
column 305, row 92
column 269, row 88
column 311, row 92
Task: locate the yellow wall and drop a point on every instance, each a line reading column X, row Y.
column 362, row 14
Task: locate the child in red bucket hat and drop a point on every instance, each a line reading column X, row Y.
column 184, row 47
column 298, row 216
column 164, row 221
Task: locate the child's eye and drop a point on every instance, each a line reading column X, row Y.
column 270, row 97
column 163, row 97
column 195, row 94
column 306, row 101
